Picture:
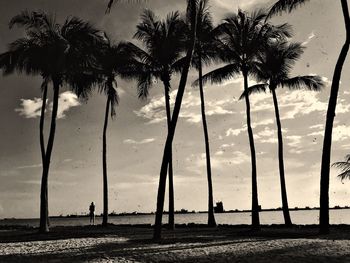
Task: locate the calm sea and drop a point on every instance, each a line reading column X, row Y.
column 303, row 217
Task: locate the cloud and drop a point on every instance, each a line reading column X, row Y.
column 234, row 132
column 66, row 101
column 29, row 166
column 262, row 123
column 155, row 112
column 309, row 38
column 266, row 136
column 30, row 108
column 144, row 141
column 269, row 140
column 294, row 140
column 340, row 133
column 220, row 161
column 267, row 132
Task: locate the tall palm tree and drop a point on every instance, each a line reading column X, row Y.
column 205, row 51
column 273, row 68
column 192, row 7
column 163, row 41
column 344, row 168
column 242, row 38
column 113, row 60
column 60, row 53
column 288, row 5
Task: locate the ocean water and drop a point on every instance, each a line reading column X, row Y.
column 301, row 217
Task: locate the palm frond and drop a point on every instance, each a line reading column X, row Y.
column 344, row 168
column 284, row 6
column 113, row 98
column 33, row 20
column 258, row 88
column 314, row 83
column 191, row 11
column 148, row 27
column 24, row 55
column 144, row 83
column 220, row 74
column 112, row 2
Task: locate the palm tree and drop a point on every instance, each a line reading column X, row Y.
column 60, row 53
column 242, row 38
column 273, row 68
column 288, row 5
column 344, row 168
column 164, row 42
column 192, row 6
column 114, row 60
column 204, row 53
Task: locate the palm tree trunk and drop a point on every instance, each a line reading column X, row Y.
column 171, row 218
column 286, row 215
column 255, row 203
column 104, row 165
column 42, row 119
column 171, row 133
column 327, row 142
column 44, row 210
column 211, row 217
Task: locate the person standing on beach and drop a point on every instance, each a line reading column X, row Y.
column 92, row 213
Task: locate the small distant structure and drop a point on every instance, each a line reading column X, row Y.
column 219, row 208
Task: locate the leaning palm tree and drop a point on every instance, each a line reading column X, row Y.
column 192, row 6
column 344, row 168
column 273, row 68
column 113, row 60
column 205, row 51
column 163, row 41
column 288, row 5
column 242, row 38
column 54, row 51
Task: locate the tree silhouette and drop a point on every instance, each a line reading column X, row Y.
column 288, row 5
column 113, row 60
column 205, row 51
column 60, row 54
column 192, row 6
column 242, row 38
column 273, row 68
column 164, row 44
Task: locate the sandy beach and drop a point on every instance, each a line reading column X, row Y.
column 185, row 244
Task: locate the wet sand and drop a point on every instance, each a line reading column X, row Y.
column 185, row 244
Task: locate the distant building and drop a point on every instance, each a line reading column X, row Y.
column 219, row 208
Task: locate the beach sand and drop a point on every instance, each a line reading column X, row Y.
column 185, row 244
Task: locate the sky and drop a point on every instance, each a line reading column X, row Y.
column 137, row 135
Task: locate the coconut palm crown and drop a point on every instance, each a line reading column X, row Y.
column 61, row 54
column 273, row 67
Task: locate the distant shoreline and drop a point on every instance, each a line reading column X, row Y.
column 184, row 212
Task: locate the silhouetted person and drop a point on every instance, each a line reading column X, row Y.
column 92, row 213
